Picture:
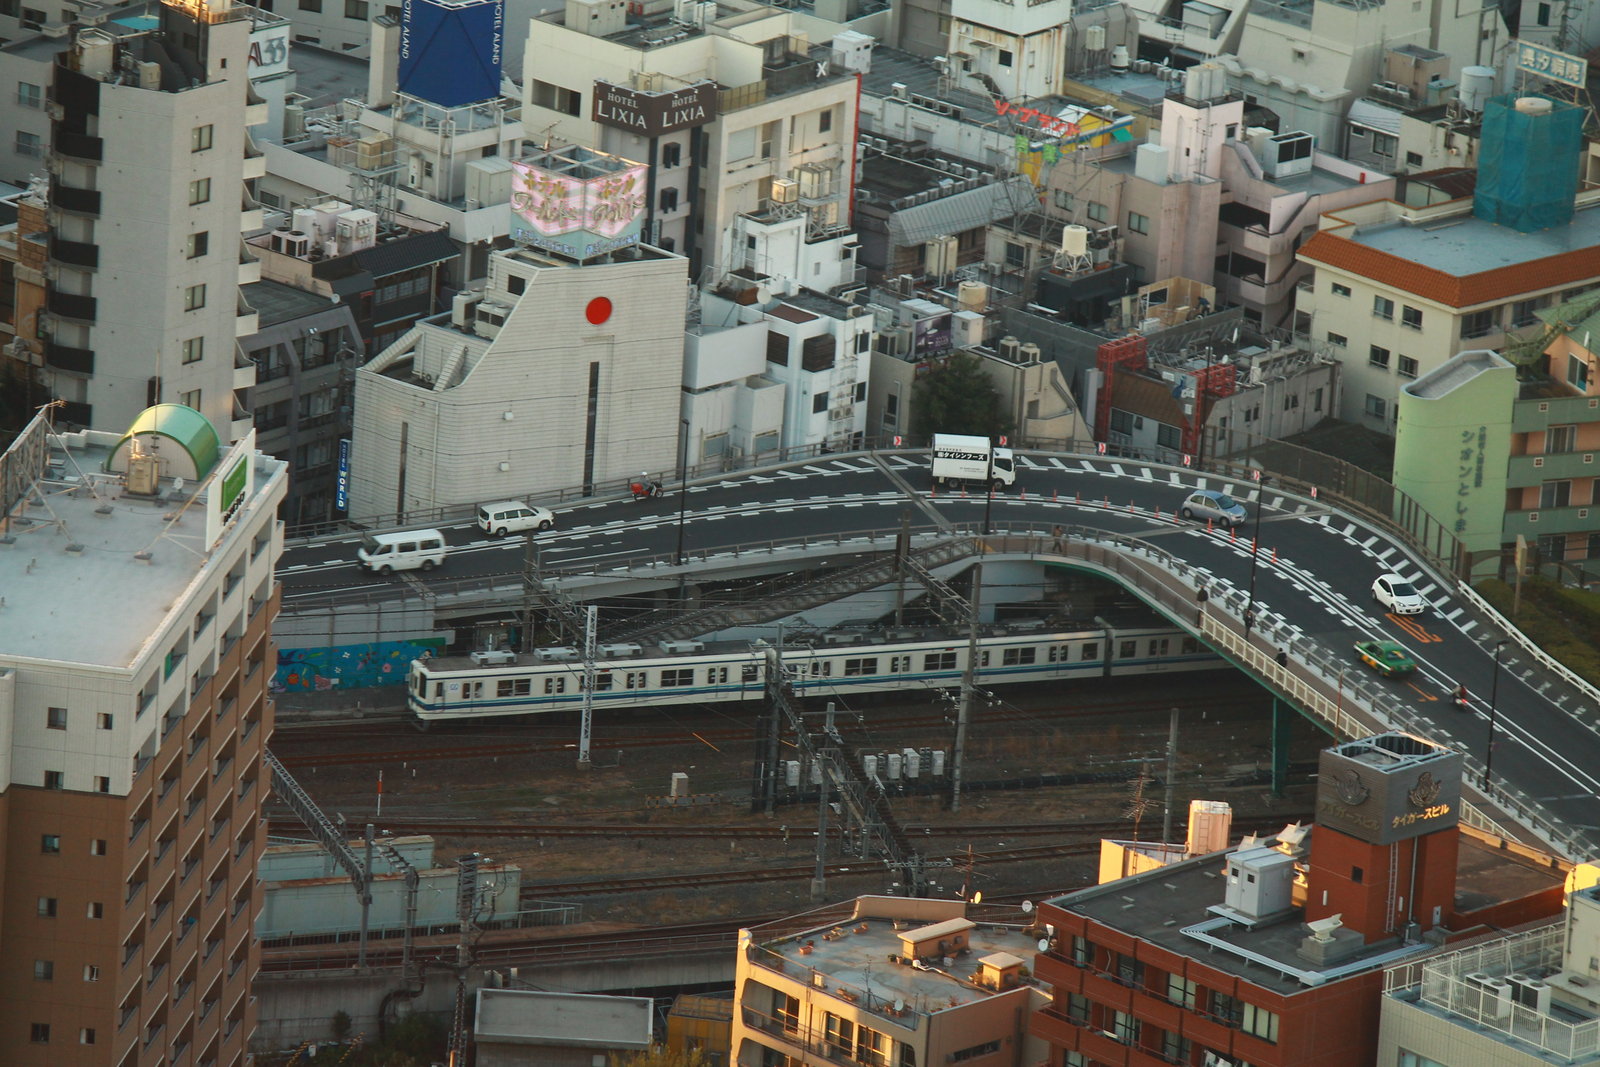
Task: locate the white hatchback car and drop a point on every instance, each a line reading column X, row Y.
column 1396, row 594
column 513, row 516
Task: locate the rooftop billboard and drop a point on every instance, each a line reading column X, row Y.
column 577, row 202
column 450, row 50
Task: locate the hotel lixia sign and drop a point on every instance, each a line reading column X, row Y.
column 653, row 114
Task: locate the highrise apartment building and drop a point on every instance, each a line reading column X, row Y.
column 133, row 740
column 148, row 157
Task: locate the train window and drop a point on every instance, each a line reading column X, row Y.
column 638, row 679
column 716, row 675
column 677, row 676
column 750, row 673
column 474, row 690
column 860, row 666
column 513, row 687
column 438, row 690
column 905, row 664
column 1016, row 657
column 983, row 658
column 555, row 685
column 1190, row 646
column 1091, row 650
column 1127, row 649
column 1060, row 653
column 821, row 667
column 602, row 681
column 939, row 661
column 1158, row 646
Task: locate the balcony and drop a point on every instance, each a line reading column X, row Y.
column 77, row 201
column 1536, row 522
column 77, row 253
column 1525, row 471
column 72, row 360
column 79, row 146
column 71, row 305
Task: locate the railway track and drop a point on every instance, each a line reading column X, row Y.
column 318, row 756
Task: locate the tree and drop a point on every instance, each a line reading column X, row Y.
column 957, row 397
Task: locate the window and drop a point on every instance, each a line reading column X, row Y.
column 1413, row 159
column 310, row 5
column 1261, row 1023
column 677, row 677
column 1378, row 357
column 194, row 297
column 29, row 144
column 54, row 780
column 55, row 718
column 1542, row 17
column 1124, row 1028
column 672, row 155
column 102, row 784
column 1525, row 312
column 97, row 847
column 1478, row 324
column 1340, row 290
column 1224, row 1008
column 39, row 1033
column 44, row 970
column 1357, row 875
column 868, row 665
column 1006, row 57
column 1078, row 1009
column 1181, row 991
column 47, row 907
column 975, row 1051
column 1560, row 439
column 1016, row 255
column 1098, row 212
column 1338, row 339
column 939, row 661
column 1411, row 317
column 1018, row 657
column 355, row 9
column 191, row 399
column 95, row 910
column 1408, row 367
column 199, row 243
column 50, row 844
column 86, row 1036
column 1578, row 373
column 200, row 138
column 1169, row 436
column 1090, row 650
column 825, row 121
column 1377, row 407
column 29, row 95
column 200, row 191
column 1175, row 1047
column 1065, row 200
column 1555, row 494
column 1138, row 223
column 194, row 348
column 1383, row 308
column 91, row 973
column 819, row 403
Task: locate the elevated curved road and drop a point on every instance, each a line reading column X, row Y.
column 1312, row 593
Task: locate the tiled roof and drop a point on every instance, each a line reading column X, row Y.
column 1466, row 290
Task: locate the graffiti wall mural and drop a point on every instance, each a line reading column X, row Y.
column 350, row 666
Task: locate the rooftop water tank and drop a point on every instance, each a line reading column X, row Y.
column 1477, row 85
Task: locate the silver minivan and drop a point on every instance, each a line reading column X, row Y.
column 409, row 550
column 513, row 516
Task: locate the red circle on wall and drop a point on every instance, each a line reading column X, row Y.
column 598, row 311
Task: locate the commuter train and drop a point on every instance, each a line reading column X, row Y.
column 689, row 672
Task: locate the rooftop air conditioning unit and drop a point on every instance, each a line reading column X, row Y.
column 296, row 243
column 1011, row 349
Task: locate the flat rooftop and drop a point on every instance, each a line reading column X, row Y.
column 276, row 302
column 854, row 957
column 575, row 1020
column 1465, row 244
column 74, row 536
column 1157, row 906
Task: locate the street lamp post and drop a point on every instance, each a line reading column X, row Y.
column 1494, row 695
column 1255, row 556
column 988, row 489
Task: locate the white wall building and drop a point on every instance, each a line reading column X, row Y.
column 788, row 111
column 150, row 155
column 554, row 376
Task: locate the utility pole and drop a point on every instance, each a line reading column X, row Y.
column 902, row 549
column 530, row 582
column 1172, row 773
column 819, row 880
column 968, row 686
column 590, row 617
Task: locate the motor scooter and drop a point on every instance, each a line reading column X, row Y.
column 645, row 490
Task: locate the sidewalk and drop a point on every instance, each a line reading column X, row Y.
column 301, row 705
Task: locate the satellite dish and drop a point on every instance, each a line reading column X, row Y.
column 1322, row 929
column 977, row 898
column 1044, row 944
column 763, row 294
column 1050, row 928
column 899, row 1005
column 1027, row 906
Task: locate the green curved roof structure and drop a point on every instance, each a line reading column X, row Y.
column 183, row 425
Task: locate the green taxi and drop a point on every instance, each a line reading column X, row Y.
column 1386, row 657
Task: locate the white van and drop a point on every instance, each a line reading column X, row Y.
column 409, row 550
column 513, row 516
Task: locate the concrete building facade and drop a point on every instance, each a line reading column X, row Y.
column 555, row 376
column 149, row 157
column 132, row 804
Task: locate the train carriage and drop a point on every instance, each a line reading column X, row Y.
column 452, row 688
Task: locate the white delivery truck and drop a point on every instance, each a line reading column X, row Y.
column 958, row 458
